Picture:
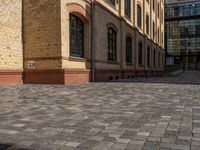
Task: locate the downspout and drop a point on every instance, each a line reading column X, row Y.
column 121, row 41
column 91, row 46
column 23, row 41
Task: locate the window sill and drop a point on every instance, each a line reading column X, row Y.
column 79, row 59
column 128, row 18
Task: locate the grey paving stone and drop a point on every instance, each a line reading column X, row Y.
column 143, row 113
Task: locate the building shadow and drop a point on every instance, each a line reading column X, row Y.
column 11, row 146
column 162, row 80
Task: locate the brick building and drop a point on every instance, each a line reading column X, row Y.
column 75, row 41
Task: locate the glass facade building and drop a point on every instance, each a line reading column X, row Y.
column 182, row 33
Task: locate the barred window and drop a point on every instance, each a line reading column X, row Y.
column 112, row 44
column 153, row 30
column 139, row 16
column 147, row 24
column 128, row 8
column 76, row 36
column 128, row 50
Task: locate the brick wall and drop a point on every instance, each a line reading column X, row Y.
column 42, row 34
column 11, row 35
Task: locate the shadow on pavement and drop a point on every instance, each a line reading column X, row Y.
column 186, row 78
column 9, row 146
column 185, row 81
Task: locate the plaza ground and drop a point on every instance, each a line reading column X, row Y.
column 149, row 114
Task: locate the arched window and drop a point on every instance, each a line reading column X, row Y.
column 139, row 16
column 147, row 24
column 128, row 8
column 140, row 53
column 76, row 36
column 148, row 55
column 128, row 50
column 112, row 44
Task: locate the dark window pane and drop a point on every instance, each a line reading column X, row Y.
column 147, row 24
column 76, row 37
column 128, row 8
column 128, row 50
column 139, row 16
column 140, row 53
column 112, row 45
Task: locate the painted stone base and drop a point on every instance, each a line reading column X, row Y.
column 110, row 75
column 62, row 76
column 76, row 76
column 107, row 75
column 56, row 76
column 11, row 76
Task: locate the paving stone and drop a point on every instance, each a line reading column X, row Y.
column 126, row 141
column 182, row 147
column 73, row 144
column 104, row 145
column 118, row 146
column 143, row 113
column 141, row 143
column 6, row 131
column 19, row 125
column 133, row 147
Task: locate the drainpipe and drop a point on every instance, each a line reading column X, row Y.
column 23, row 40
column 91, row 42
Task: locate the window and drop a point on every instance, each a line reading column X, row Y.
column 128, row 8
column 140, row 53
column 147, row 24
column 153, row 30
column 158, row 10
column 153, row 3
column 139, row 16
column 154, row 58
column 148, row 56
column 76, row 36
column 112, row 44
column 128, row 50
column 158, row 35
column 113, row 2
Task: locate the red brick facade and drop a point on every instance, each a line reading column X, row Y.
column 56, row 76
column 11, row 77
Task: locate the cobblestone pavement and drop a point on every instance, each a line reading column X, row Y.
column 148, row 114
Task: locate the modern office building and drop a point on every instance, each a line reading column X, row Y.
column 77, row 41
column 182, row 33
